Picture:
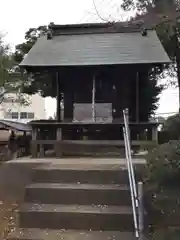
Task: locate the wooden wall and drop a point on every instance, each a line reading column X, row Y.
column 114, row 84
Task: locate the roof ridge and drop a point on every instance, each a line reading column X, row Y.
column 132, row 24
column 93, row 28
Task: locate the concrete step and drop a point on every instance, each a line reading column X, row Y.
column 85, row 194
column 84, row 174
column 78, row 217
column 61, row 234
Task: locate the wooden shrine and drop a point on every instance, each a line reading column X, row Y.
column 97, row 70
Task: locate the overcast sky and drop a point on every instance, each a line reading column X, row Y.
column 17, row 16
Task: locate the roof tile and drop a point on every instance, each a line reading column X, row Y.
column 97, row 49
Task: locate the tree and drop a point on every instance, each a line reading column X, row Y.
column 38, row 81
column 163, row 16
column 9, row 81
column 172, row 127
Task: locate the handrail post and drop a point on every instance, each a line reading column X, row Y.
column 140, row 211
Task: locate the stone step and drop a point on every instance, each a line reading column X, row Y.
column 60, row 234
column 98, row 174
column 85, row 194
column 78, row 217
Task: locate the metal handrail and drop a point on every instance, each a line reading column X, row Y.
column 127, row 143
column 136, row 196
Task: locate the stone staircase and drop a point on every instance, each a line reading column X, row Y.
column 77, row 202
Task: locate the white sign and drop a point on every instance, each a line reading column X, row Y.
column 83, row 112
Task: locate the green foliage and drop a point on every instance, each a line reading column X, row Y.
column 162, row 177
column 5, row 63
column 144, row 5
column 163, row 168
column 140, row 5
column 9, row 81
column 167, row 234
column 40, row 82
column 149, row 96
column 31, row 37
column 172, row 127
column 162, row 15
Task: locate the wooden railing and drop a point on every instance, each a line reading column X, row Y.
column 62, row 137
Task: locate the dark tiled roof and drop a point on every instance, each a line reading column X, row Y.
column 96, row 45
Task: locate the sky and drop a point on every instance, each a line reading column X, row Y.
column 17, row 16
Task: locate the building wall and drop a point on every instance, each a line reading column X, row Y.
column 11, row 110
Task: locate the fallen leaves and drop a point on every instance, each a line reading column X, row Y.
column 8, row 218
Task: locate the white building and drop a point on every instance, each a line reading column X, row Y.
column 11, row 109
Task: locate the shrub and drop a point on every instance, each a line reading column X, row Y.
column 167, row 234
column 172, row 127
column 162, row 184
column 163, row 165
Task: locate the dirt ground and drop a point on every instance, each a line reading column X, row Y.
column 13, row 179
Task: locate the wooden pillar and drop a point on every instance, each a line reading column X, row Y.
column 117, row 100
column 68, row 105
column 58, row 110
column 137, row 97
column 126, row 95
column 33, row 143
column 58, row 146
column 85, row 137
column 41, row 151
column 114, row 101
column 94, row 99
column 155, row 134
column 42, row 146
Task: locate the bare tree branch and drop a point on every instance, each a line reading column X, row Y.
column 98, row 14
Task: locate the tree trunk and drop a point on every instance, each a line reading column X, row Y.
column 178, row 78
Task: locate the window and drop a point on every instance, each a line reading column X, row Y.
column 30, row 115
column 23, row 115
column 14, row 115
column 27, row 115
